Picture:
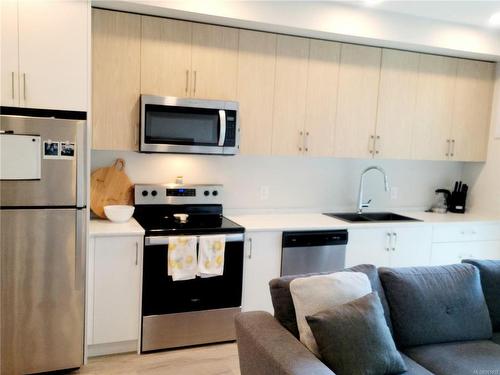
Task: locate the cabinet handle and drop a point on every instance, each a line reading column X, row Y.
column 136, row 253
column 371, row 144
column 394, row 240
column 388, row 241
column 452, row 148
column 448, row 147
column 187, row 81
column 250, row 248
column 301, row 140
column 306, row 142
column 194, row 83
column 12, row 81
column 375, row 144
column 24, row 86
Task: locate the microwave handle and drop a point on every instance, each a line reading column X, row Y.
column 222, row 135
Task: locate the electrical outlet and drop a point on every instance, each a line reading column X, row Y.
column 394, row 193
column 264, row 193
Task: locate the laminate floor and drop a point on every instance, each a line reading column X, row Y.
column 204, row 360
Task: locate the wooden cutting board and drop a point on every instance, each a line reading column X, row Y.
column 108, row 186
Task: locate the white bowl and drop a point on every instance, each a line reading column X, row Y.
column 119, row 213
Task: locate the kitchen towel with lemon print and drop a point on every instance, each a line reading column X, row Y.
column 182, row 260
column 211, row 255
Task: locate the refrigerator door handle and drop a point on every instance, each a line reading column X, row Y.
column 81, row 165
column 80, row 248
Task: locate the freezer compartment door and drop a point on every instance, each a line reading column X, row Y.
column 61, row 159
column 42, row 301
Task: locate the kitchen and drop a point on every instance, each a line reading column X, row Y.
column 303, row 145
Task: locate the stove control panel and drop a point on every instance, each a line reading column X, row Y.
column 178, row 194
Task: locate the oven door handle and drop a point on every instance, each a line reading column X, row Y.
column 222, row 135
column 163, row 240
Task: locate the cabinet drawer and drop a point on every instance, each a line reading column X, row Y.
column 466, row 232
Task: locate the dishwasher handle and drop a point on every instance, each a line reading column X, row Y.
column 315, row 238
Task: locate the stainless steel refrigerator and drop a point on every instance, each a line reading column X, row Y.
column 42, row 247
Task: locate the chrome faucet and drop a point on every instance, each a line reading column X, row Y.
column 362, row 205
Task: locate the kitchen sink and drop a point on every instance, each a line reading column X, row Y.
column 367, row 217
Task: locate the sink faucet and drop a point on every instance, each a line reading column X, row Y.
column 362, row 205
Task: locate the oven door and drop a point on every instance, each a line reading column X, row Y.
column 162, row 295
column 187, row 126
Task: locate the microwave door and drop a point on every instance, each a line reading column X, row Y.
column 183, row 130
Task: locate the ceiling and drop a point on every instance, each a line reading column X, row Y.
column 469, row 12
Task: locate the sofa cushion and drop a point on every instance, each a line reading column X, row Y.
column 284, row 311
column 490, row 280
column 496, row 338
column 458, row 358
column 431, row 305
column 353, row 338
column 413, row 368
column 317, row 293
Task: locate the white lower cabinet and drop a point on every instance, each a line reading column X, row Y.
column 262, row 264
column 390, row 247
column 113, row 294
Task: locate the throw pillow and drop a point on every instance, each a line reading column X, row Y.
column 354, row 338
column 317, row 293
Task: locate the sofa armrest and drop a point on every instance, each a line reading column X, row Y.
column 265, row 347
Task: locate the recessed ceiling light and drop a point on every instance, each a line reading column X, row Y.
column 495, row 20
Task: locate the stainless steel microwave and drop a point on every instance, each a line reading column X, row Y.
column 189, row 126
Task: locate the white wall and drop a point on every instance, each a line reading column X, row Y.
column 296, row 183
column 329, row 20
column 485, row 193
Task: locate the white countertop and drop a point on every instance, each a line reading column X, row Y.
column 106, row 228
column 317, row 221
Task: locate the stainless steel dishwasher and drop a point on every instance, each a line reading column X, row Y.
column 313, row 251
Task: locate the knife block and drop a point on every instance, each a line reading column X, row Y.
column 457, row 202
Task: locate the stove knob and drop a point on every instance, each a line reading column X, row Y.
column 144, row 193
column 154, row 193
column 207, row 193
column 215, row 193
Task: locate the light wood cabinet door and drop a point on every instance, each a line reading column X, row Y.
column 411, row 246
column 117, row 288
column 290, row 95
column 472, row 110
column 116, row 75
column 256, row 71
column 9, row 68
column 369, row 246
column 434, row 108
column 214, row 62
column 53, row 54
column 165, row 57
column 262, row 264
column 321, row 100
column 357, row 101
column 396, row 104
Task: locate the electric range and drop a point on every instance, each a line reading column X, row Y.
column 188, row 312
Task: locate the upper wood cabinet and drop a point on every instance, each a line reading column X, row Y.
column 396, row 104
column 187, row 59
column 357, row 101
column 297, row 96
column 434, row 107
column 214, row 62
column 472, row 110
column 165, row 57
column 256, row 71
column 44, row 54
column 116, row 77
column 290, row 95
column 321, row 98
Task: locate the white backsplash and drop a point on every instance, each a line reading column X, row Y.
column 293, row 183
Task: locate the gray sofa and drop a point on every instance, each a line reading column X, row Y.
column 439, row 318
